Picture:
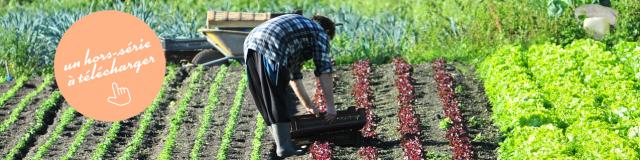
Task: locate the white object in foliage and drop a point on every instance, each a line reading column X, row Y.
column 596, row 26
column 598, row 19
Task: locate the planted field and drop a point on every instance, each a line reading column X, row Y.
column 546, row 101
column 521, row 80
column 580, row 101
column 207, row 113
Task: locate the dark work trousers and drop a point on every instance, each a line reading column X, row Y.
column 272, row 99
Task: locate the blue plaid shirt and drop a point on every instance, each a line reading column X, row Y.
column 288, row 41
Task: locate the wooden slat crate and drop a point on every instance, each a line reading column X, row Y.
column 224, row 19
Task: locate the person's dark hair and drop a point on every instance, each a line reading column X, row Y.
column 326, row 23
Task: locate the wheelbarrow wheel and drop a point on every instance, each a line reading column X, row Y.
column 207, row 55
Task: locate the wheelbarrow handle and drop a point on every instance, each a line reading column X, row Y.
column 222, row 60
column 6, row 67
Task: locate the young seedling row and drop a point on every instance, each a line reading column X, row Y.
column 409, row 121
column 178, row 117
column 103, row 146
column 24, row 103
column 320, row 150
column 11, row 92
column 42, row 113
column 205, row 120
column 80, row 136
column 144, row 124
column 256, row 143
column 233, row 118
column 363, row 97
column 456, row 133
column 67, row 117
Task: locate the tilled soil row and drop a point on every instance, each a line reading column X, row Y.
column 153, row 142
column 383, row 85
column 344, row 81
column 343, row 87
column 59, row 147
column 96, row 134
column 268, row 148
column 48, row 118
column 476, row 111
column 29, row 86
column 128, row 127
column 429, row 107
column 189, row 127
column 216, row 130
column 10, row 136
column 241, row 139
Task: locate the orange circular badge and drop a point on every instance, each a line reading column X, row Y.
column 109, row 66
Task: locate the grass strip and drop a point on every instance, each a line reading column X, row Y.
column 177, row 119
column 11, row 92
column 15, row 113
column 205, row 119
column 71, row 150
column 233, row 118
column 66, row 118
column 145, row 121
column 29, row 137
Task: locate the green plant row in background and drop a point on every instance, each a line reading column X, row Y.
column 77, row 141
column 24, row 102
column 134, row 145
column 37, row 126
column 177, row 119
column 578, row 102
column 205, row 119
column 417, row 30
column 381, row 36
column 234, row 112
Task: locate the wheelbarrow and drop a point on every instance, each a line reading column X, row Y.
column 224, row 38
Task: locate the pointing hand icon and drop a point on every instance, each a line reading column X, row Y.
column 121, row 95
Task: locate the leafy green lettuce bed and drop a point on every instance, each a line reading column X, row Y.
column 576, row 102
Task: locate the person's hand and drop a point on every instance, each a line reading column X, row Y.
column 330, row 115
column 313, row 110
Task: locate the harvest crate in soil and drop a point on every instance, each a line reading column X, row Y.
column 343, row 131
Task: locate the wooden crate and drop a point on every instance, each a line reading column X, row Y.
column 345, row 130
column 225, row 19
